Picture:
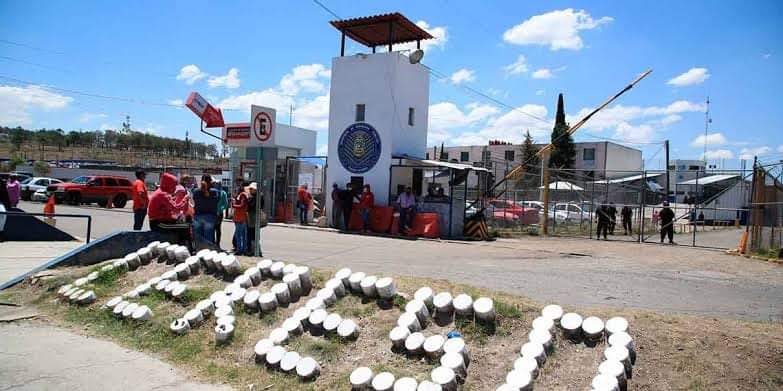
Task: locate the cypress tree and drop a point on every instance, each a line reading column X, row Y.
column 564, row 151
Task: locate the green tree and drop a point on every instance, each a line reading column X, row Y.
column 564, row 152
column 41, row 168
column 531, row 161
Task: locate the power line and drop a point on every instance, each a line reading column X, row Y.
column 24, row 45
column 326, row 9
column 19, row 60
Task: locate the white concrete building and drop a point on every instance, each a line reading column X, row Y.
column 378, row 104
column 606, row 159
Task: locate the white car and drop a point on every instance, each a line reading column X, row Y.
column 32, row 185
column 556, row 215
column 574, row 212
column 39, row 196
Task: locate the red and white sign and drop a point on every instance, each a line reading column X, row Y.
column 236, row 133
column 212, row 116
column 263, row 126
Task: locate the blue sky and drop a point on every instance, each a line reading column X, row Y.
column 521, row 53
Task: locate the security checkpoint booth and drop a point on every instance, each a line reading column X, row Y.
column 378, row 109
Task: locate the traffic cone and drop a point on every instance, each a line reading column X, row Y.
column 49, row 211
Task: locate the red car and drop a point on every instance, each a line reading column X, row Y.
column 99, row 189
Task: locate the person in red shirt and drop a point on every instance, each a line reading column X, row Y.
column 140, row 200
column 239, row 204
column 165, row 214
column 303, row 200
column 366, row 202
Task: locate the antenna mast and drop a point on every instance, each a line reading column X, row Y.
column 707, row 121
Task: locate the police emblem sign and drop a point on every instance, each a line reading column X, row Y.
column 359, row 148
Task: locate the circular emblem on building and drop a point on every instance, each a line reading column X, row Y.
column 359, row 148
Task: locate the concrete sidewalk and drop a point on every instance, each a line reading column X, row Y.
column 19, row 257
column 41, row 357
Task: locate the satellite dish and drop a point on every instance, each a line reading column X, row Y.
column 416, row 56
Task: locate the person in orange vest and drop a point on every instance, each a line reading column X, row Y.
column 140, row 200
column 366, row 202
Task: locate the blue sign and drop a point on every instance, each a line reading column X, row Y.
column 359, row 148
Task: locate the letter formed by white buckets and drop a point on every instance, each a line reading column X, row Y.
column 619, row 354
column 314, row 318
column 450, row 353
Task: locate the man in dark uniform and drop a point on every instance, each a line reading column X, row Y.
column 603, row 221
column 625, row 217
column 346, row 197
column 667, row 222
column 612, row 218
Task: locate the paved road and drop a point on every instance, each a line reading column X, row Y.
column 41, row 357
column 19, row 257
column 567, row 271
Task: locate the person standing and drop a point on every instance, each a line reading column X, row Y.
column 303, row 201
column 407, row 201
column 336, row 206
column 240, row 222
column 254, row 198
column 222, row 206
column 165, row 215
column 14, row 189
column 625, row 216
column 603, row 221
column 667, row 222
column 140, row 200
column 346, row 204
column 205, row 205
column 366, row 202
column 612, row 218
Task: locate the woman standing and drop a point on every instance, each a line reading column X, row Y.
column 240, row 222
column 165, row 214
column 205, row 201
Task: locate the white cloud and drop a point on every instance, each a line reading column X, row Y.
column 643, row 133
column 17, row 103
column 556, row 29
column 176, row 102
column 517, row 67
column 613, row 116
column 780, row 148
column 710, row 139
column 540, row 92
column 543, row 73
column 750, row 153
column 440, row 34
column 766, row 56
column 307, row 78
column 89, row 117
column 310, row 112
column 229, row 80
column 190, row 74
column 448, row 116
column 510, row 126
column 718, row 154
column 463, row 75
column 546, row 73
column 692, row 77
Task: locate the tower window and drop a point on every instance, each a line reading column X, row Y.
column 360, row 112
column 464, row 156
column 411, row 115
column 509, row 155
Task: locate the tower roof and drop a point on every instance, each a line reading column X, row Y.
column 379, row 30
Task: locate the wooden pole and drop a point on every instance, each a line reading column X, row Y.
column 545, row 193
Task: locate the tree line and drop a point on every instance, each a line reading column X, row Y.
column 125, row 140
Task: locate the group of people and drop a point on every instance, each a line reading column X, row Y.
column 607, row 215
column 607, row 220
column 190, row 211
column 343, row 205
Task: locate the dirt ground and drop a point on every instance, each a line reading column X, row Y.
column 674, row 352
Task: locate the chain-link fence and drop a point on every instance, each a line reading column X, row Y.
column 704, row 208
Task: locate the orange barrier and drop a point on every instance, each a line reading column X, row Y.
column 395, row 225
column 355, row 222
column 426, row 225
column 381, row 218
column 284, row 214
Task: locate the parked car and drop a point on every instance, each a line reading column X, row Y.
column 556, row 216
column 19, row 175
column 31, row 185
column 574, row 211
column 99, row 189
column 40, row 195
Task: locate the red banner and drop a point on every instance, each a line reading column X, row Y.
column 208, row 113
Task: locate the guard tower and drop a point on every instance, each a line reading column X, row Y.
column 378, row 103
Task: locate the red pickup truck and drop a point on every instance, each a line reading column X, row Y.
column 100, row 189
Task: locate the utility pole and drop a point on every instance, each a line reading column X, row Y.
column 666, row 146
column 707, row 121
column 545, row 192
